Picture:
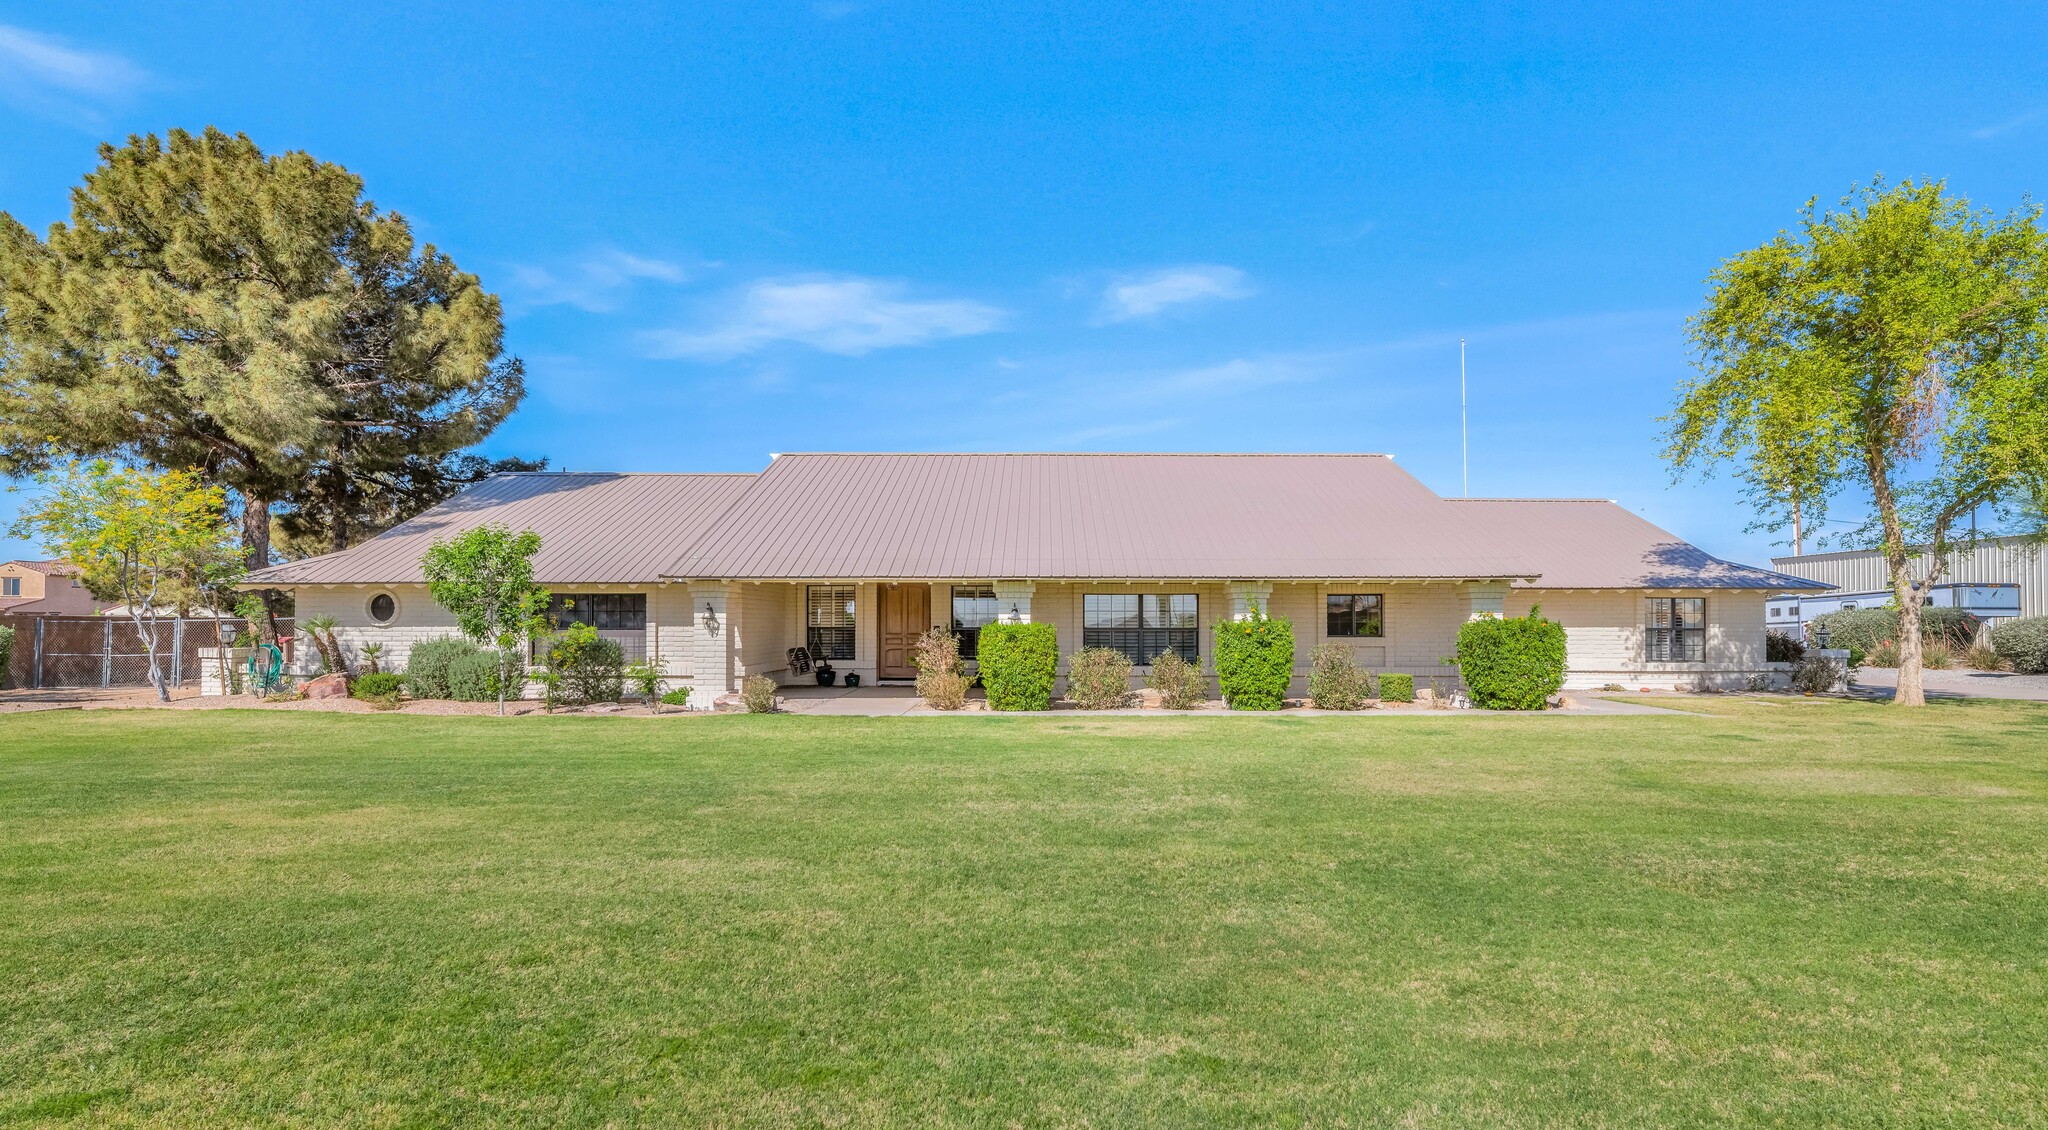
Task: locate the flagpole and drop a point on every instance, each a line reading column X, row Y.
column 1464, row 448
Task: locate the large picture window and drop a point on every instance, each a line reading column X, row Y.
column 973, row 606
column 1675, row 629
column 605, row 611
column 1142, row 625
column 1353, row 614
column 828, row 621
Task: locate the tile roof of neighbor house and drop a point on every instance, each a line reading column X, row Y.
column 596, row 528
column 1586, row 543
column 54, row 567
column 1080, row 516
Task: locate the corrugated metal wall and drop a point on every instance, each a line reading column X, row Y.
column 2003, row 561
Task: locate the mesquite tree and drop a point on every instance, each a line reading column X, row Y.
column 249, row 316
column 484, row 576
column 1894, row 350
column 137, row 537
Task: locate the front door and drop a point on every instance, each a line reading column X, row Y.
column 906, row 613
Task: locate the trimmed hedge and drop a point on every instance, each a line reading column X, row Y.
column 1511, row 664
column 426, row 669
column 1397, row 686
column 1018, row 665
column 1255, row 661
column 382, row 684
column 2024, row 644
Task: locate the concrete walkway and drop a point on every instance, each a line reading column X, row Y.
column 902, row 701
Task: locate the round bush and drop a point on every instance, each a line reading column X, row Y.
column 1397, row 686
column 426, row 669
column 1511, row 664
column 2023, row 644
column 1099, row 678
column 1018, row 665
column 379, row 685
column 474, row 678
column 1255, row 661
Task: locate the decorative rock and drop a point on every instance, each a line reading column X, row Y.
column 729, row 704
column 327, row 686
column 1149, row 699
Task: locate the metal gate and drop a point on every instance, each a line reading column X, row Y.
column 107, row 651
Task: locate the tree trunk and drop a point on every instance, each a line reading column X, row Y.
column 1911, row 690
column 256, row 555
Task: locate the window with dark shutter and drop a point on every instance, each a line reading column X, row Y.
column 1142, row 625
column 828, row 621
column 973, row 607
column 1675, row 629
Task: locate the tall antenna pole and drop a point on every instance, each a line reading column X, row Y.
column 1464, row 448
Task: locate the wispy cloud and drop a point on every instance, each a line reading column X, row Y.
column 596, row 282
column 848, row 315
column 1239, row 374
column 1147, row 294
column 43, row 75
column 1996, row 129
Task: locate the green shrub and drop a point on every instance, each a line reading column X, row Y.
column 1865, row 628
column 1255, row 661
column 377, row 685
column 1511, row 664
column 1018, row 665
column 591, row 668
column 758, row 692
column 6, row 653
column 1817, row 675
column 1180, row 684
column 426, row 669
column 1783, row 647
column 1396, row 686
column 677, row 697
column 1099, row 678
column 474, row 678
column 2023, row 644
column 1335, row 680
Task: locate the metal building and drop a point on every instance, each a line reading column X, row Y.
column 1982, row 577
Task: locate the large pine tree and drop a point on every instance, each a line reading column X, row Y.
column 250, row 316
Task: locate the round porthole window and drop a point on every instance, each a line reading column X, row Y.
column 383, row 608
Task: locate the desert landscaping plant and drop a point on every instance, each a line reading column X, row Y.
column 1783, row 647
column 1512, row 663
column 758, row 692
column 320, row 629
column 2023, row 644
column 677, row 697
column 1180, row 684
column 1335, row 680
column 1397, row 686
column 482, row 676
column 1938, row 655
column 1099, row 678
column 373, row 654
column 484, row 576
column 426, row 667
column 941, row 675
column 1817, row 674
column 591, row 667
column 646, row 678
column 1984, row 657
column 1019, row 663
column 1255, row 660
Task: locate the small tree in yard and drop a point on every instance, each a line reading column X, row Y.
column 1895, row 349
column 137, row 536
column 484, row 576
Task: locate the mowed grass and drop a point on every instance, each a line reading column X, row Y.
column 1779, row 914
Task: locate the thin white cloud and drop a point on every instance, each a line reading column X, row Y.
column 1144, row 295
column 1240, row 374
column 42, row 75
column 1997, row 129
column 848, row 315
column 595, row 282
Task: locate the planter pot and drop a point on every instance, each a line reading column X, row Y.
column 825, row 677
column 853, row 678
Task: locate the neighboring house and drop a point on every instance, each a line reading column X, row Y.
column 853, row 555
column 1995, row 578
column 44, row 588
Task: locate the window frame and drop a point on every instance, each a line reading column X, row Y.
column 603, row 606
column 1668, row 638
column 370, row 609
column 840, row 643
column 1143, row 641
column 1379, row 615
column 10, row 586
column 969, row 635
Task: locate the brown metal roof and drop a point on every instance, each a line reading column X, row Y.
column 594, row 528
column 1092, row 516
column 1582, row 543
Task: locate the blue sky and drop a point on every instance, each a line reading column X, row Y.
column 726, row 230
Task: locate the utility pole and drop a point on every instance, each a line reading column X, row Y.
column 1798, row 533
column 1464, row 446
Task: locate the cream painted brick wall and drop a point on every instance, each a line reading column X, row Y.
column 770, row 622
column 418, row 619
column 1604, row 637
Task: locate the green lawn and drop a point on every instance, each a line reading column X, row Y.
column 1797, row 914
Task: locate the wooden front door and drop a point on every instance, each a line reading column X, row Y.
column 906, row 613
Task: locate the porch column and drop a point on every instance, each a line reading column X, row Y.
column 1248, row 595
column 710, row 640
column 1013, row 601
column 1485, row 598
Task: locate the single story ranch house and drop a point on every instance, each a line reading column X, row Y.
column 852, row 556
